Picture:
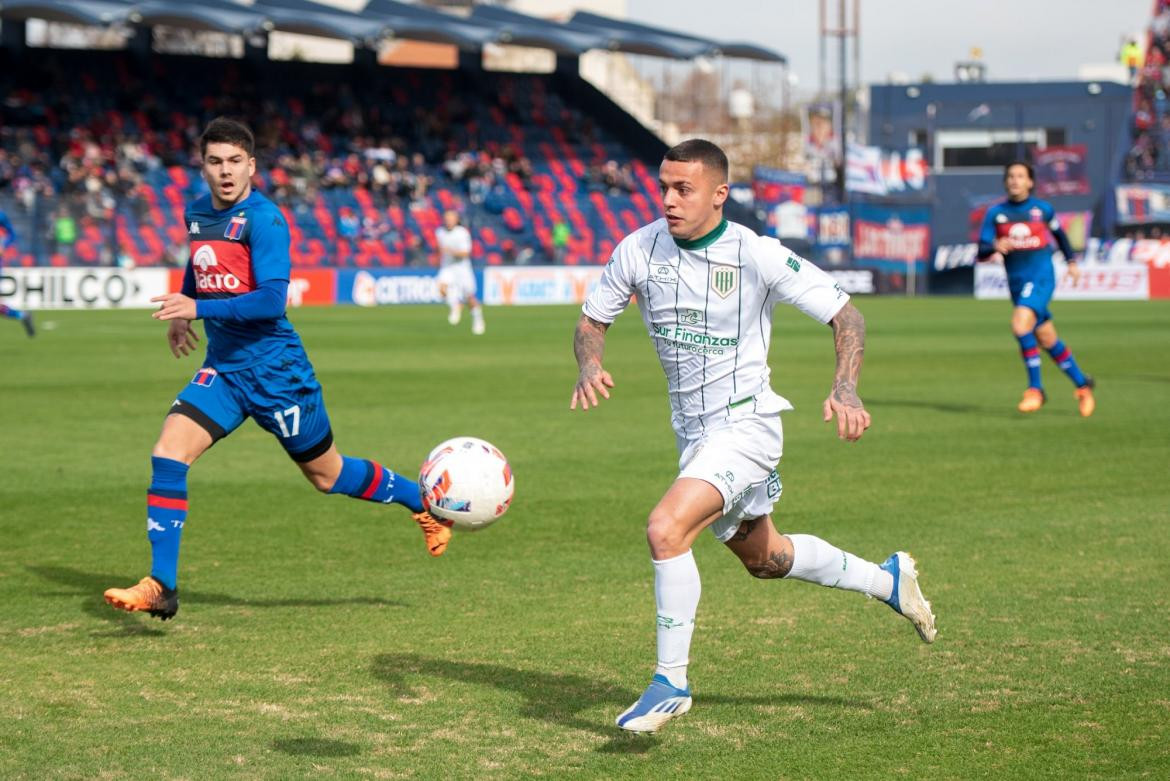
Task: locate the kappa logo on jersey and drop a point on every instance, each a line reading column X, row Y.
column 724, row 280
column 235, row 228
column 193, row 228
column 204, row 377
column 204, row 260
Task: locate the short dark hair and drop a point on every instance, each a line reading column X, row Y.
column 698, row 150
column 225, row 130
column 1023, row 164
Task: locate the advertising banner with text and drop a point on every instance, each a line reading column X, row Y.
column 1098, row 283
column 379, row 287
column 47, row 287
column 539, row 284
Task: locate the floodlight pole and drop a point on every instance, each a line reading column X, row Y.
column 842, row 80
column 843, row 30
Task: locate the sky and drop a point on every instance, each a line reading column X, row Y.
column 1022, row 40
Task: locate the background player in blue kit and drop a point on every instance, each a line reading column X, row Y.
column 1018, row 232
column 237, row 281
column 7, row 238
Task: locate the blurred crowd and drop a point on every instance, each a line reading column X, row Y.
column 1149, row 154
column 92, row 152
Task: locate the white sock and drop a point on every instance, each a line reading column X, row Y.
column 676, row 593
column 816, row 561
column 477, row 314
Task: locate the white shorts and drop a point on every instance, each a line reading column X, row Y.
column 459, row 280
column 739, row 458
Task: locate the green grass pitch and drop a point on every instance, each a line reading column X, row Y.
column 317, row 639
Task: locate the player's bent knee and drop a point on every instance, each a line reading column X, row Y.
column 321, row 481
column 665, row 535
column 764, row 570
column 1023, row 323
column 175, row 451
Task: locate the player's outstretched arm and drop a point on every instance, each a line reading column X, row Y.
column 589, row 346
column 181, row 337
column 849, row 338
column 174, row 306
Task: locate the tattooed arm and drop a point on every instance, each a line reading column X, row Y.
column 588, row 346
column 849, row 338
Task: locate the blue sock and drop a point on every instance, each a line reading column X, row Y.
column 373, row 482
column 7, row 311
column 1031, row 355
column 166, row 512
column 1064, row 359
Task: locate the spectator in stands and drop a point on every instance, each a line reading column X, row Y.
column 103, row 151
column 561, row 233
column 415, row 254
column 64, row 233
column 617, row 179
column 349, row 225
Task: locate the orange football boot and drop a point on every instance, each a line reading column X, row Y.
column 149, row 595
column 1085, row 401
column 1033, row 400
column 437, row 535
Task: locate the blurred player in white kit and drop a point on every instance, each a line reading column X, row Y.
column 456, row 279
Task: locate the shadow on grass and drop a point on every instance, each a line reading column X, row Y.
column 91, row 585
column 316, row 747
column 956, row 408
column 560, row 697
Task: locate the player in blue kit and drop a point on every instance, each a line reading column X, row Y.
column 8, row 237
column 237, row 281
column 1018, row 232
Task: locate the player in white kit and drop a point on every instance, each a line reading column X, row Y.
column 456, row 279
column 706, row 288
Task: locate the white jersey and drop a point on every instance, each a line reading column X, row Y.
column 707, row 306
column 456, row 240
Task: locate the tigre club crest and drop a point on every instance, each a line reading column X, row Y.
column 724, row 280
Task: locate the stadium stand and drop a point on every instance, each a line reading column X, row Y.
column 98, row 148
column 355, row 168
column 1148, row 156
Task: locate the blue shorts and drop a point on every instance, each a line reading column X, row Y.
column 282, row 395
column 1034, row 294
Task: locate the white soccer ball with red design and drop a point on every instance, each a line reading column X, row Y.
column 466, row 483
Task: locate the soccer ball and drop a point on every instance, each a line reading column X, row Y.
column 466, row 483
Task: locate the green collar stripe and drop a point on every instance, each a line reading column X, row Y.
column 703, row 241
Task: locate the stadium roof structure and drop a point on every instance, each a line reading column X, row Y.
column 217, row 15
column 92, row 12
column 308, row 18
column 419, row 23
column 381, row 19
column 643, row 39
column 524, row 30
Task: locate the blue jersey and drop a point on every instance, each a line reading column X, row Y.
column 238, row 274
column 7, row 232
column 1031, row 226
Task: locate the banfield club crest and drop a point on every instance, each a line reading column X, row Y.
column 724, row 280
